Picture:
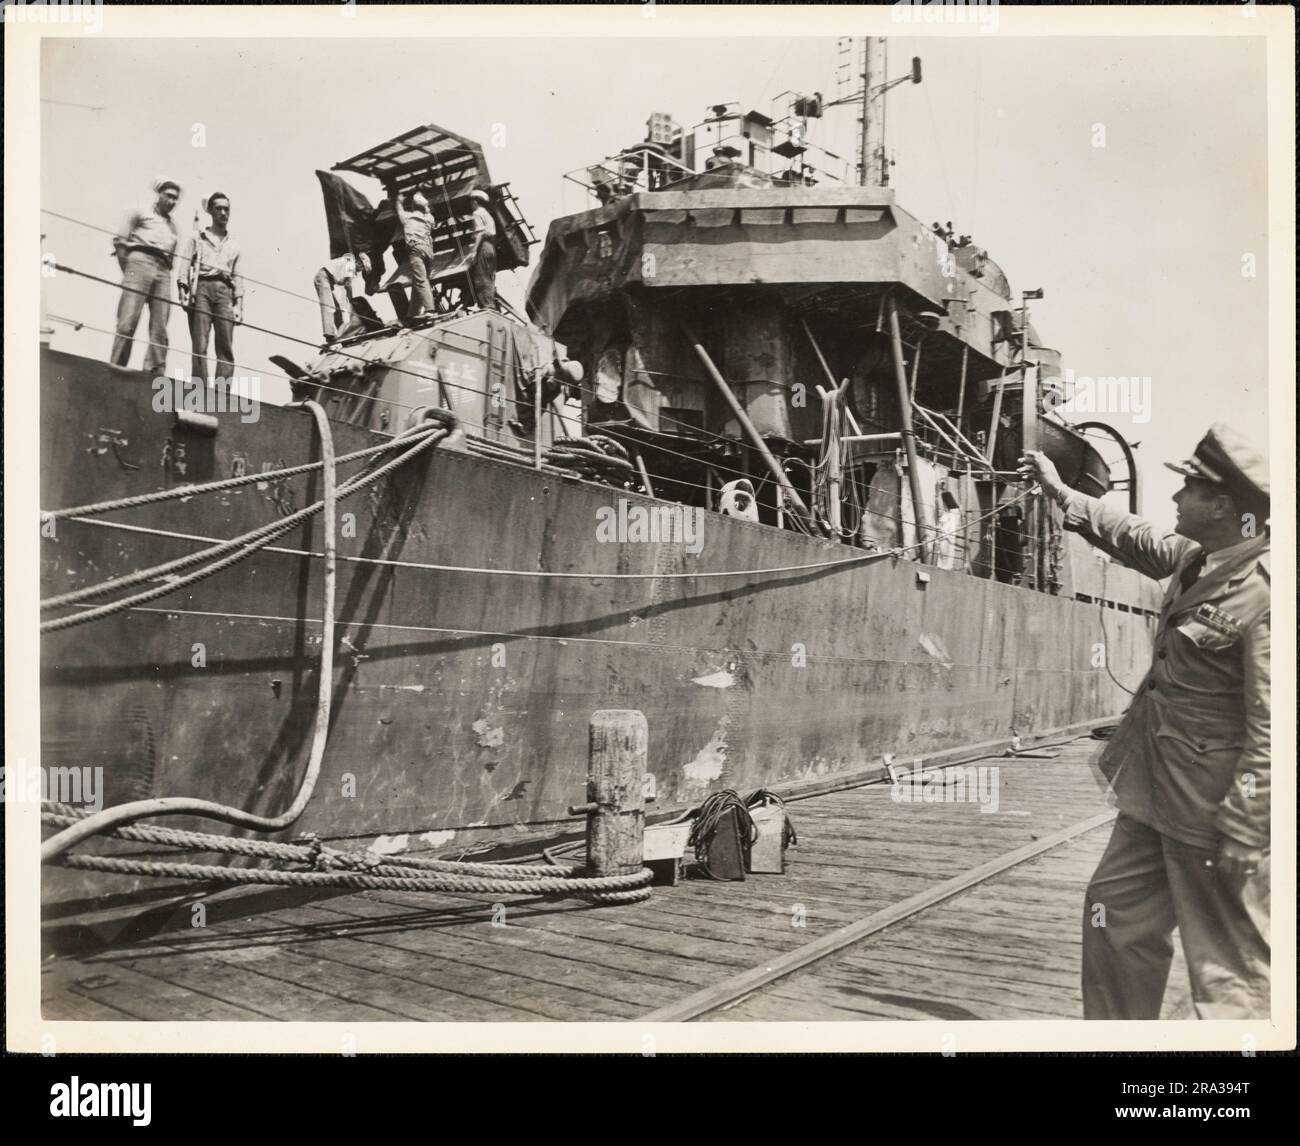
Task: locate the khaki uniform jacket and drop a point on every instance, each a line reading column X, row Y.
column 1191, row 757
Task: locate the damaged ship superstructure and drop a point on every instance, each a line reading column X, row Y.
column 873, row 360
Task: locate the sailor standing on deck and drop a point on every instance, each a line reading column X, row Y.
column 1189, row 764
column 483, row 267
column 211, row 264
column 145, row 248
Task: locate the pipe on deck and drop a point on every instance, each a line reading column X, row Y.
column 782, row 479
column 909, row 434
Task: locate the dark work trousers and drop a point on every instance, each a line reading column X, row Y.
column 1146, row 885
column 212, row 311
column 421, row 269
column 146, row 278
column 483, row 275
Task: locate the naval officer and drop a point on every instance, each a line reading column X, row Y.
column 1189, row 764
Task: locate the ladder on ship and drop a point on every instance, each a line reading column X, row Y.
column 498, row 370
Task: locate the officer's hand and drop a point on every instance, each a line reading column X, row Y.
column 1237, row 859
column 239, row 313
column 1037, row 466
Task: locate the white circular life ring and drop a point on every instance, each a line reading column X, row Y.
column 738, row 500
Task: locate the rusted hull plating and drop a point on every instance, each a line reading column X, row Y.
column 461, row 699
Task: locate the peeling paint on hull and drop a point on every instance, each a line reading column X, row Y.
column 440, row 734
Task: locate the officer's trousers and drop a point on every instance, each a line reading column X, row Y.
column 1146, row 885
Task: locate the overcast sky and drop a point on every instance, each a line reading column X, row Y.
column 1138, row 244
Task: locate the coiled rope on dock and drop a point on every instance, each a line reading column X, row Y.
column 330, row 867
column 604, row 889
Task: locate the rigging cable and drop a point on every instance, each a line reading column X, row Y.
column 332, row 868
column 1105, row 639
column 172, row 805
column 225, row 553
column 695, row 431
column 730, row 442
column 938, row 148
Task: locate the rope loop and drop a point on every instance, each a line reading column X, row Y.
column 438, row 415
column 316, row 858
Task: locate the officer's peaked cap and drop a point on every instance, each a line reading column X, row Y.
column 1227, row 459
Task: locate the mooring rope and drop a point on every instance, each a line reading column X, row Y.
column 188, row 491
column 229, row 552
column 333, row 868
column 607, row 889
column 174, row 805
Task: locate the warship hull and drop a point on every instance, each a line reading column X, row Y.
column 466, row 671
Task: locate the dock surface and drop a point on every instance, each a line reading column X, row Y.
column 1005, row 947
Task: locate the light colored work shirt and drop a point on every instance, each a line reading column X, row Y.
column 148, row 229
column 342, row 270
column 218, row 258
column 484, row 225
column 417, row 228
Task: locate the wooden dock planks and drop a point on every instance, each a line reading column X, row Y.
column 1006, row 948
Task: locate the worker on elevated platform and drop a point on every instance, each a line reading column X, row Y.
column 211, row 270
column 145, row 249
column 417, row 233
column 334, row 284
column 1189, row 764
column 483, row 267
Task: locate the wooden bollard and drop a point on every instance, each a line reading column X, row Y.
column 616, row 804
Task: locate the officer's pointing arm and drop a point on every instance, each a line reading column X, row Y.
column 1130, row 539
